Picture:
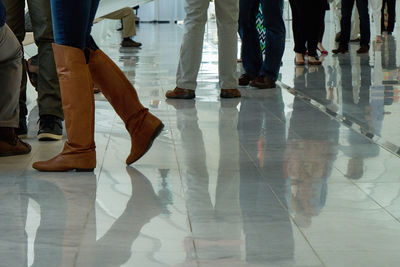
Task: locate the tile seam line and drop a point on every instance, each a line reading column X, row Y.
column 181, row 179
column 285, row 208
column 377, row 203
column 345, row 121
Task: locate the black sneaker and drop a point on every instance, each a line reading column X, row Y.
column 50, row 128
column 22, row 130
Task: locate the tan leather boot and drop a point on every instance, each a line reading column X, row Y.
column 78, row 103
column 142, row 126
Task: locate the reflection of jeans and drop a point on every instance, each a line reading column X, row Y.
column 72, row 21
column 253, row 63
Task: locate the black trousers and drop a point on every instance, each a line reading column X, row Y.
column 345, row 22
column 391, row 8
column 307, row 22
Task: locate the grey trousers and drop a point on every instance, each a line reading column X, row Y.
column 227, row 14
column 49, row 97
column 10, row 77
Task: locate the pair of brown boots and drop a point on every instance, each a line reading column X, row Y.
column 76, row 78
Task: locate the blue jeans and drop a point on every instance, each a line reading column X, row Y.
column 72, row 22
column 253, row 63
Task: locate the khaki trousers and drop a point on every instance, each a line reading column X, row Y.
column 128, row 21
column 227, row 14
column 49, row 97
column 10, row 77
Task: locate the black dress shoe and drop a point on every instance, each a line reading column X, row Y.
column 340, row 50
column 363, row 49
column 50, row 128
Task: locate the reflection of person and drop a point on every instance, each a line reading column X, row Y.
column 10, row 78
column 266, row 224
column 192, row 48
column 114, row 247
column 310, row 152
column 357, row 106
column 80, row 63
column 216, row 228
column 49, row 97
column 127, row 17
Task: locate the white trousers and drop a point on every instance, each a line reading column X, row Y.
column 375, row 7
column 227, row 15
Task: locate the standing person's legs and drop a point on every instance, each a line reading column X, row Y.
column 275, row 38
column 313, row 22
column 128, row 21
column 49, row 96
column 391, row 15
column 376, row 7
column 10, row 79
column 347, row 9
column 127, row 16
column 365, row 30
column 251, row 50
column 227, row 14
column 15, row 19
column 299, row 14
column 192, row 44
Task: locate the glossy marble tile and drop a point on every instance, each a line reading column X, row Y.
column 300, row 175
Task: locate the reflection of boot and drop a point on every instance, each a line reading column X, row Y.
column 78, row 104
column 142, row 126
column 114, row 247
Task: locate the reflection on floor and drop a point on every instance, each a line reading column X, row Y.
column 270, row 179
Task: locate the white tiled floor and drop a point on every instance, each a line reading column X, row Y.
column 266, row 180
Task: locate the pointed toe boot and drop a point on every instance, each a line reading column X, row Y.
column 142, row 126
column 78, row 103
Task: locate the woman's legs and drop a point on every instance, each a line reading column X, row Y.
column 72, row 20
column 313, row 15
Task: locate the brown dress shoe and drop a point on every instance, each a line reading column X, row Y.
column 340, row 50
column 10, row 144
column 363, row 49
column 179, row 93
column 263, row 82
column 230, row 93
column 245, row 79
